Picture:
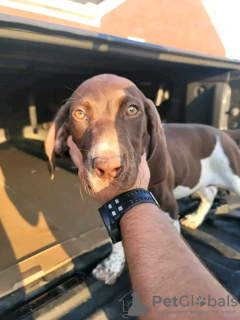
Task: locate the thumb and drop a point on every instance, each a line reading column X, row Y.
column 75, row 153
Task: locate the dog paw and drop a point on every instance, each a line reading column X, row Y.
column 109, row 269
column 191, row 221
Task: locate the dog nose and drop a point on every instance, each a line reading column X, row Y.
column 107, row 168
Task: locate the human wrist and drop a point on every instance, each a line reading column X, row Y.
column 135, row 213
column 113, row 210
column 140, row 211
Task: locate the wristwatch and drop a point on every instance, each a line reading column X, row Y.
column 112, row 211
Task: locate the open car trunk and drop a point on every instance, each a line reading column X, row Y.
column 50, row 237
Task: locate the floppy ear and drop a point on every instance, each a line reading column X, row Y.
column 157, row 155
column 154, row 127
column 56, row 141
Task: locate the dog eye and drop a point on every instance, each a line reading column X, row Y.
column 79, row 114
column 131, row 111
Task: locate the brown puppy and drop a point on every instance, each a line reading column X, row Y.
column 203, row 158
column 113, row 124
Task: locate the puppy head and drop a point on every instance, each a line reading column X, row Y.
column 112, row 124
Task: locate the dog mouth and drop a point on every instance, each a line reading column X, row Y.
column 99, row 173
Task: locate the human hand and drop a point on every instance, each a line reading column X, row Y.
column 110, row 191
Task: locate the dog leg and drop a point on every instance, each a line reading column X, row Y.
column 195, row 219
column 176, row 225
column 174, row 222
column 112, row 267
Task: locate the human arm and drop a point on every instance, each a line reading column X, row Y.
column 160, row 262
column 162, row 265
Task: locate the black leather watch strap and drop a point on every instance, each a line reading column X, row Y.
column 112, row 211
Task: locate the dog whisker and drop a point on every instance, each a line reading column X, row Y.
column 80, row 191
column 84, row 150
column 68, row 100
column 73, row 91
column 84, row 182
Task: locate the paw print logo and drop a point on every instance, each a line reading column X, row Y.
column 201, row 301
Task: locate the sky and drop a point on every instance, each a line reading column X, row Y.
column 225, row 17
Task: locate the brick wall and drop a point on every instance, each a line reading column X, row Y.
column 182, row 24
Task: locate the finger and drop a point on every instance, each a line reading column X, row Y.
column 144, row 172
column 144, row 156
column 75, row 153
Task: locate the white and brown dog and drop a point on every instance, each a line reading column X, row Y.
column 112, row 123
